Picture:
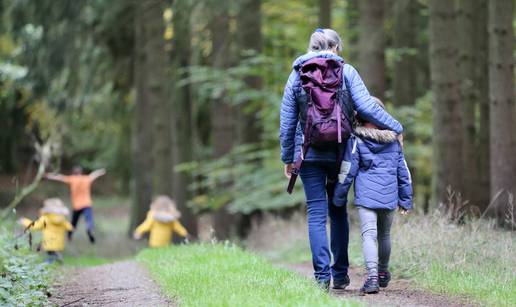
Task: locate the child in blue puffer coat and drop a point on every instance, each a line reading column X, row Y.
column 374, row 160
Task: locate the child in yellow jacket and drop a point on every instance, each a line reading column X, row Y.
column 162, row 221
column 54, row 226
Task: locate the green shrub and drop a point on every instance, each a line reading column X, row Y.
column 24, row 279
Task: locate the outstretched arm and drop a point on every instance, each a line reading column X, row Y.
column 39, row 224
column 56, row 177
column 97, row 173
column 365, row 105
column 143, row 228
column 179, row 229
column 347, row 173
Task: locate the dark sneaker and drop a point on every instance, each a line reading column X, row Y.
column 70, row 234
column 341, row 283
column 370, row 286
column 384, row 278
column 91, row 237
column 324, row 284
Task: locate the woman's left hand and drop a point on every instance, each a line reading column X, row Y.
column 288, row 170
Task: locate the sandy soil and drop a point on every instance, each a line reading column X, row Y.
column 399, row 293
column 118, row 284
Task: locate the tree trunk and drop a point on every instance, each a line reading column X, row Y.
column 162, row 110
column 249, row 24
column 447, row 144
column 352, row 28
column 406, row 68
column 223, row 114
column 325, row 13
column 501, row 96
column 148, row 93
column 482, row 74
column 472, row 72
column 183, row 111
column 371, row 37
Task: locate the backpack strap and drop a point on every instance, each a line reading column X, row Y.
column 347, row 101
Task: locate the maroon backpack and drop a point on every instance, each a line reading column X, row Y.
column 328, row 121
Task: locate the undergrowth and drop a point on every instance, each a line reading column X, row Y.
column 24, row 279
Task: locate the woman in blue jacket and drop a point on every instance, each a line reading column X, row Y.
column 320, row 165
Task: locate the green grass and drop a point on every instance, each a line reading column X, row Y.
column 225, row 275
column 474, row 261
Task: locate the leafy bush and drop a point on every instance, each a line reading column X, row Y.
column 24, row 279
column 252, row 178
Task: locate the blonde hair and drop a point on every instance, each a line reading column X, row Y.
column 325, row 40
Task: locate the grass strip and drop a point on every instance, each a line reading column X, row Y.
column 225, row 275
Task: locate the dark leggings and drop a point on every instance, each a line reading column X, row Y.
column 88, row 216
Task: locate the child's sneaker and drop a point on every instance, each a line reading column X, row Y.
column 341, row 283
column 370, row 286
column 384, row 278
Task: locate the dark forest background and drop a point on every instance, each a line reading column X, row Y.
column 182, row 97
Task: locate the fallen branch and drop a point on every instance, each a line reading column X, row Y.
column 44, row 156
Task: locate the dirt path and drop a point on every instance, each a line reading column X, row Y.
column 118, row 284
column 399, row 293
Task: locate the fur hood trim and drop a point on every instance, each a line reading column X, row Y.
column 165, row 217
column 381, row 136
column 54, row 206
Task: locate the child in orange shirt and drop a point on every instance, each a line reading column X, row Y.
column 80, row 191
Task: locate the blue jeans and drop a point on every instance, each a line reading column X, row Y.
column 319, row 181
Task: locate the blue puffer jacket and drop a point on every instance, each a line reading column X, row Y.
column 293, row 108
column 374, row 159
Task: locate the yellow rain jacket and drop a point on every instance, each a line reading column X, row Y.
column 54, row 227
column 160, row 232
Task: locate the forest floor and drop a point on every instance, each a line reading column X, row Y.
column 106, row 274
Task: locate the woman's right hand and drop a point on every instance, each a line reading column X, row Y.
column 288, row 170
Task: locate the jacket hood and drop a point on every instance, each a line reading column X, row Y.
column 375, row 139
column 55, row 219
column 164, row 217
column 310, row 55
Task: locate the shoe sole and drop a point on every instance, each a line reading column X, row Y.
column 341, row 287
column 370, row 291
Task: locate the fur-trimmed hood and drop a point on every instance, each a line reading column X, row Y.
column 165, row 217
column 54, row 206
column 375, row 139
column 381, row 136
column 164, row 209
